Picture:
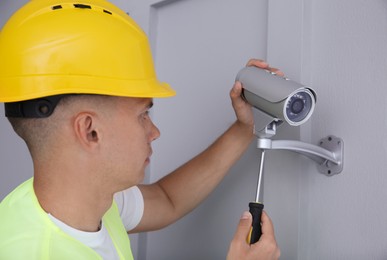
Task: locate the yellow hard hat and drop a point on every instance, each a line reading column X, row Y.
column 55, row 47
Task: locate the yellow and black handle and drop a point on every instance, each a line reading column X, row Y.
column 256, row 231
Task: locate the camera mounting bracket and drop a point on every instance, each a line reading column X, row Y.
column 328, row 154
column 265, row 125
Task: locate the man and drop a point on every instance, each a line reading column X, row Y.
column 77, row 80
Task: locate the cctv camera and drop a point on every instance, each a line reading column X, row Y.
column 280, row 98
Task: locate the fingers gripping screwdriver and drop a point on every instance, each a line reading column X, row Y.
column 256, row 207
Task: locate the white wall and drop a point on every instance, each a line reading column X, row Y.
column 344, row 217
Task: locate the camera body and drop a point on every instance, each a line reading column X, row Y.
column 278, row 97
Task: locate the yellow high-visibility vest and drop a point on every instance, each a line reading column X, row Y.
column 27, row 232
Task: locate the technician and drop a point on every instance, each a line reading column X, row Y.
column 78, row 81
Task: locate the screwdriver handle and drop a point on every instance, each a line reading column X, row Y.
column 256, row 211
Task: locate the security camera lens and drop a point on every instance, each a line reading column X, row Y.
column 298, row 106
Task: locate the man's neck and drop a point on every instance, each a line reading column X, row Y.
column 79, row 205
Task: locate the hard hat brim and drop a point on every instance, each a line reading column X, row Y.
column 76, row 84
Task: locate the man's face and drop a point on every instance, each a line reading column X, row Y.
column 130, row 132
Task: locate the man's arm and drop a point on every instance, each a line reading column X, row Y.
column 181, row 191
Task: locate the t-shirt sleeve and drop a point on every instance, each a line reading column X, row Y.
column 130, row 204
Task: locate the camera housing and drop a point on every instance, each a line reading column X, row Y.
column 276, row 96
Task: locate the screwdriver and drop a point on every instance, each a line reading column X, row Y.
column 256, row 208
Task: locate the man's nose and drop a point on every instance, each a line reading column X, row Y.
column 155, row 132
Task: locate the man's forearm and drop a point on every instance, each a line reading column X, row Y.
column 191, row 183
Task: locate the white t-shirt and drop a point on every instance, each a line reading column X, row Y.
column 130, row 204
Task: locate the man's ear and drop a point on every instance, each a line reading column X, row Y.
column 86, row 131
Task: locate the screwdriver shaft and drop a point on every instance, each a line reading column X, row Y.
column 257, row 198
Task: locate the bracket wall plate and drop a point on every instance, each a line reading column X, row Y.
column 336, row 146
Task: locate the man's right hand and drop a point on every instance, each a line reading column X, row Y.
column 265, row 248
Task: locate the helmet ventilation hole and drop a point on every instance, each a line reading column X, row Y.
column 56, row 7
column 82, row 6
